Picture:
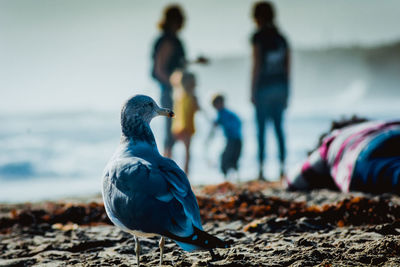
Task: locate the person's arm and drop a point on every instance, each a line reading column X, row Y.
column 200, row 60
column 161, row 60
column 206, row 146
column 256, row 66
column 211, row 133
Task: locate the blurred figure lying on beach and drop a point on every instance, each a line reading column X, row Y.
column 185, row 107
column 356, row 155
column 232, row 128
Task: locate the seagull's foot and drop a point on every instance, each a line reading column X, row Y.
column 215, row 256
column 229, row 242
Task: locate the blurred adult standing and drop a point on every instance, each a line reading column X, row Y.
column 168, row 56
column 269, row 80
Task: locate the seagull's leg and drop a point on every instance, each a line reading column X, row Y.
column 137, row 250
column 161, row 243
column 214, row 256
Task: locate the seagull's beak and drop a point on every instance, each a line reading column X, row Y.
column 166, row 112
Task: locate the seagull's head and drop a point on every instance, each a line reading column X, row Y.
column 143, row 107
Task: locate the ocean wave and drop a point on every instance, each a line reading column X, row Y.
column 14, row 170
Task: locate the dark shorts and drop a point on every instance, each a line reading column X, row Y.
column 231, row 154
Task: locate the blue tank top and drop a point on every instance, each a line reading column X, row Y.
column 176, row 59
column 230, row 123
column 274, row 56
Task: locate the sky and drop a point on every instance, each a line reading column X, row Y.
column 66, row 67
column 58, row 55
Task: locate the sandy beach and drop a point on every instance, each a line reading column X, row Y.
column 267, row 225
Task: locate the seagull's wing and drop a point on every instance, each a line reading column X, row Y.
column 138, row 197
column 180, row 187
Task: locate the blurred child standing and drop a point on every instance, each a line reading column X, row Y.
column 185, row 107
column 232, row 128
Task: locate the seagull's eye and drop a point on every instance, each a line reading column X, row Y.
column 151, row 104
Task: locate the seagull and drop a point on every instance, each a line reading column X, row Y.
column 146, row 194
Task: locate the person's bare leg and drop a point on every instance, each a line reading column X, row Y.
column 261, row 173
column 186, row 141
column 282, row 173
column 137, row 250
column 161, row 244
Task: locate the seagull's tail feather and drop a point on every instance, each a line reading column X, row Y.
column 199, row 240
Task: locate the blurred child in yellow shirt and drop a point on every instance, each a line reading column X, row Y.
column 185, row 107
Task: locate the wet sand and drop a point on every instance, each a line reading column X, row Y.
column 267, row 225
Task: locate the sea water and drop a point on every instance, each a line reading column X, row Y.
column 48, row 155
